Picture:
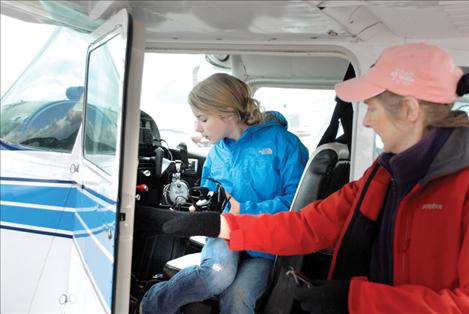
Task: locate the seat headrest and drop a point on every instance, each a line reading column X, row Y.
column 340, row 149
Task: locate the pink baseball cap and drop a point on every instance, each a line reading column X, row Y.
column 423, row 71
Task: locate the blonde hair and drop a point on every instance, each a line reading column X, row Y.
column 224, row 95
column 437, row 115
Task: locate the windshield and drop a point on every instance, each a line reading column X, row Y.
column 59, row 65
column 43, row 108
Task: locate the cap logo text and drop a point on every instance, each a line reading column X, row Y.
column 400, row 76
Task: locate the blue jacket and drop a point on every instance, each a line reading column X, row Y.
column 261, row 170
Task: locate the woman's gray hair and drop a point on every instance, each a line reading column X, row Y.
column 437, row 115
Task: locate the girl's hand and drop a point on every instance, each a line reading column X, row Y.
column 192, row 209
column 224, row 228
column 234, row 204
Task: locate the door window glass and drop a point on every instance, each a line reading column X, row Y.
column 103, row 104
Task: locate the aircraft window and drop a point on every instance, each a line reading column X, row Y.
column 462, row 104
column 19, row 53
column 103, row 104
column 45, row 79
column 50, row 126
column 167, row 81
column 36, row 111
column 379, row 146
column 308, row 111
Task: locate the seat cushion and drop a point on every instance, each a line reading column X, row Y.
column 175, row 265
column 198, row 240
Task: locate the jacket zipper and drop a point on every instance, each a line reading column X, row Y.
column 407, row 220
column 405, row 249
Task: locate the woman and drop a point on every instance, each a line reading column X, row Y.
column 401, row 232
column 259, row 164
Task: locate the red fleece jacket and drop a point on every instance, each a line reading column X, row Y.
column 431, row 241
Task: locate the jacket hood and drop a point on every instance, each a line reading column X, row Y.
column 264, row 125
column 452, row 157
column 248, row 133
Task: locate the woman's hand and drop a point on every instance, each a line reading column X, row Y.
column 234, row 204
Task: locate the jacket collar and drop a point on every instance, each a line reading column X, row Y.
column 452, row 157
column 412, row 164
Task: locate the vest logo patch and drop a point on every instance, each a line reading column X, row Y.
column 266, row 151
column 432, row 206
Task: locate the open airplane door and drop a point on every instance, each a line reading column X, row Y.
column 68, row 175
column 106, row 170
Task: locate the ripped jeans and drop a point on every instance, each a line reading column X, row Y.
column 238, row 282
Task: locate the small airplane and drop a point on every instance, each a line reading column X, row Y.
column 98, row 125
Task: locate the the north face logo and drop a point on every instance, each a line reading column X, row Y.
column 266, row 151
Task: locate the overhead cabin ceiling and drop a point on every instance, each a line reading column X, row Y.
column 320, row 72
column 263, row 21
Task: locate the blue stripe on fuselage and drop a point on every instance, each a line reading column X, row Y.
column 40, row 195
column 25, row 206
column 44, row 218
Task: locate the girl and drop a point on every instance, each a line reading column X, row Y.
column 259, row 164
